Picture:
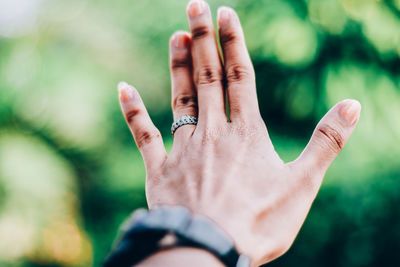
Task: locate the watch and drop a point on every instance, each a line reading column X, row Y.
column 164, row 227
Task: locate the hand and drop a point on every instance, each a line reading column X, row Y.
column 226, row 169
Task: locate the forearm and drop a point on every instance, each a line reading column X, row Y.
column 181, row 257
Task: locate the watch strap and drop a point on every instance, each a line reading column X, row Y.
column 144, row 231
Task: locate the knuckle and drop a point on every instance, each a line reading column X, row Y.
column 178, row 63
column 333, row 138
column 200, row 32
column 227, row 38
column 209, row 75
column 238, row 73
column 146, row 137
column 131, row 114
column 184, row 101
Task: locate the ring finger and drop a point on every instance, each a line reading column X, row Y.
column 184, row 99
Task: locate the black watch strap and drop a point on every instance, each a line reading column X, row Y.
column 148, row 232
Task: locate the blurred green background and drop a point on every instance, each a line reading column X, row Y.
column 70, row 172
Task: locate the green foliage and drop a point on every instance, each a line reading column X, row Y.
column 70, row 172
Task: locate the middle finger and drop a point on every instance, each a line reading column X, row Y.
column 207, row 67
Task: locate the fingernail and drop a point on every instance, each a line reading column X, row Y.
column 224, row 15
column 196, row 8
column 180, row 40
column 125, row 92
column 350, row 111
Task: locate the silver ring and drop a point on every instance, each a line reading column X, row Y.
column 182, row 121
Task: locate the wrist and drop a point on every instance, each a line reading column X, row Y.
column 185, row 256
column 168, row 227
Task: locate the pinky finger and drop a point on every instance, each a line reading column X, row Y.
column 147, row 137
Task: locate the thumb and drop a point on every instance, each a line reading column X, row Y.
column 330, row 136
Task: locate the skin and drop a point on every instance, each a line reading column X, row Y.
column 227, row 168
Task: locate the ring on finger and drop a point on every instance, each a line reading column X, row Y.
column 184, row 120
